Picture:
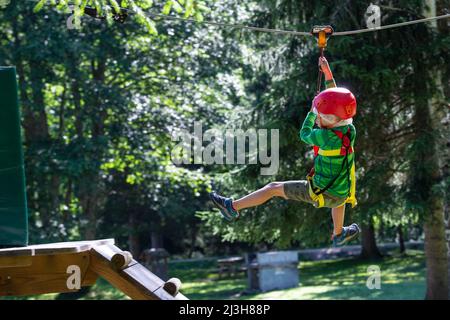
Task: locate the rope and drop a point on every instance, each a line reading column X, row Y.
column 319, row 76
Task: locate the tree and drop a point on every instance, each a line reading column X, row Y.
column 377, row 67
column 99, row 107
column 428, row 179
column 112, row 9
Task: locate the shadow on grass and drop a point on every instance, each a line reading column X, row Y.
column 402, row 277
column 399, row 291
column 414, row 290
column 215, row 290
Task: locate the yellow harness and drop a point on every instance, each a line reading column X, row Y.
column 319, row 198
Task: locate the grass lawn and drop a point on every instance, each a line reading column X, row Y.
column 402, row 277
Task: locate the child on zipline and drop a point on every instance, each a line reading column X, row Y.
column 331, row 183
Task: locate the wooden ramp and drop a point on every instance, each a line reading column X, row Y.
column 67, row 266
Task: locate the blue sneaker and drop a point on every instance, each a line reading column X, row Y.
column 225, row 207
column 347, row 235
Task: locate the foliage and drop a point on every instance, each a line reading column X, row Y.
column 100, row 104
column 99, row 108
column 379, row 68
column 109, row 8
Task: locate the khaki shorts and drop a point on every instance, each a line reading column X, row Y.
column 299, row 190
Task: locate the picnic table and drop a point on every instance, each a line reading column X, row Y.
column 231, row 266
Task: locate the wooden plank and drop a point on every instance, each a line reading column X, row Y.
column 172, row 286
column 46, row 274
column 117, row 258
column 121, row 260
column 108, row 251
column 15, row 261
column 55, row 248
column 24, row 251
column 164, row 295
column 118, row 279
column 135, row 281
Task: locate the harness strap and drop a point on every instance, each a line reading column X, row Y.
column 317, row 194
column 318, row 198
column 335, row 152
column 352, row 197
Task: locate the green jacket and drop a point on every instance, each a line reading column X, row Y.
column 326, row 168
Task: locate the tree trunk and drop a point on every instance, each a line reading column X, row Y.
column 133, row 236
column 436, row 255
column 447, row 231
column 444, row 86
column 401, row 239
column 429, row 176
column 35, row 117
column 88, row 193
column 193, row 240
column 369, row 245
column 75, row 89
column 156, row 239
column 36, row 133
column 92, row 193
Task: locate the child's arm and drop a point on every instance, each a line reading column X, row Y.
column 329, row 80
column 309, row 135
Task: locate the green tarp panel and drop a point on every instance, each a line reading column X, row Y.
column 13, row 203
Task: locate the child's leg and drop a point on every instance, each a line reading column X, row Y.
column 273, row 189
column 338, row 215
column 341, row 234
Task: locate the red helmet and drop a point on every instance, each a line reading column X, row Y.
column 337, row 101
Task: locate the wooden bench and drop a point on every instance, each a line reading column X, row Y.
column 46, row 268
column 230, row 266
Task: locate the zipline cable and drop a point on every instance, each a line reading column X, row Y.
column 280, row 31
column 389, row 26
column 297, row 33
column 230, row 25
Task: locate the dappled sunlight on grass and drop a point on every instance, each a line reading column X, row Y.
column 400, row 291
column 300, row 293
column 205, row 269
column 402, row 277
column 223, row 289
column 50, row 296
column 102, row 290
